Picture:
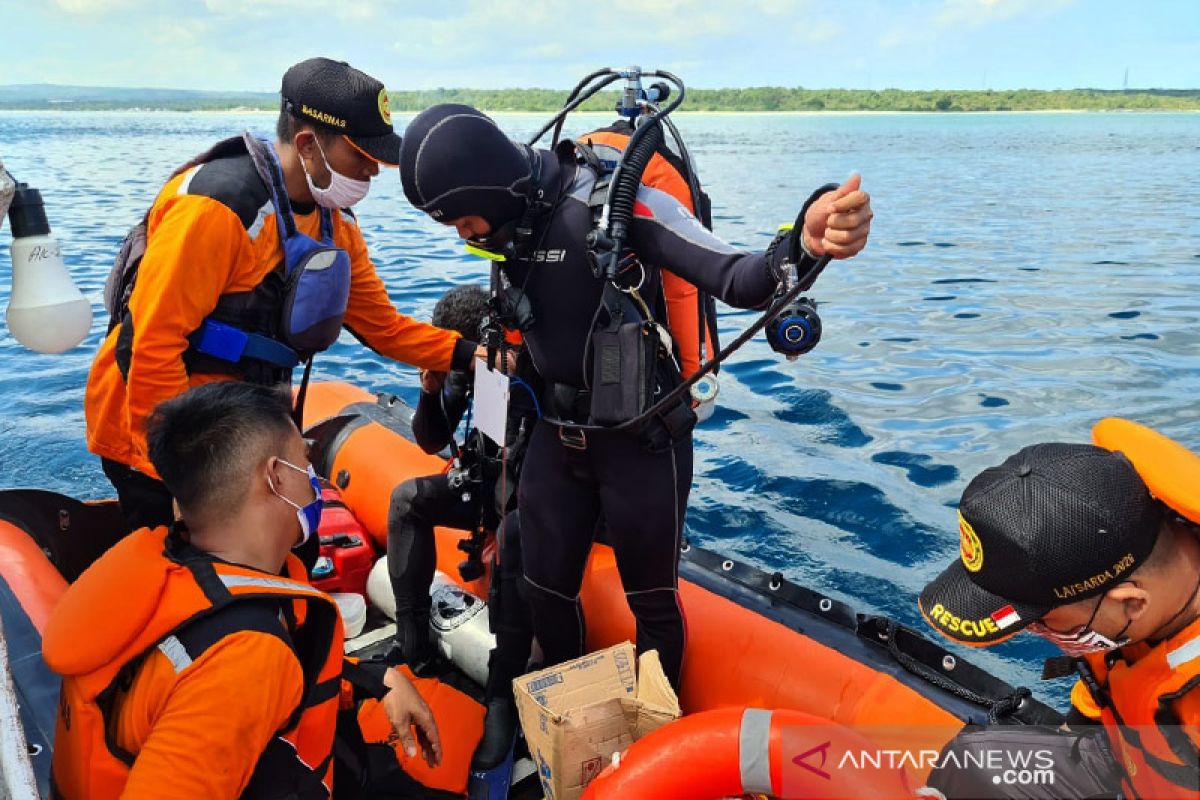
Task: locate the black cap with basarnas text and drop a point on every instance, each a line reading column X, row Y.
column 345, row 100
column 1053, row 525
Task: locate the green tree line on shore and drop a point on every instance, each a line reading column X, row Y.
column 754, row 99
column 773, row 98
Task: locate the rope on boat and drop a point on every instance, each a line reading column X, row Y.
column 997, row 707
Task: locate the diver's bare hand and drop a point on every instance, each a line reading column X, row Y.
column 432, row 381
column 839, row 222
column 510, row 360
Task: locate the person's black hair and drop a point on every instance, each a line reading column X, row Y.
column 462, row 309
column 205, row 442
column 288, row 125
column 283, row 125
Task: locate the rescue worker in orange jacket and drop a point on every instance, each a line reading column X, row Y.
column 197, row 661
column 214, row 262
column 1097, row 549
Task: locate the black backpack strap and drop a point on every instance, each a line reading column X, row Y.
column 1172, row 728
column 585, row 153
column 190, row 643
column 186, row 644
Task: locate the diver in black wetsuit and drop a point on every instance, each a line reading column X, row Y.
column 421, row 503
column 459, row 168
column 471, row 497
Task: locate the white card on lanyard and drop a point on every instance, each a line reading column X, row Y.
column 491, row 402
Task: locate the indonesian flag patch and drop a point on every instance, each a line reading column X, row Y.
column 1005, row 617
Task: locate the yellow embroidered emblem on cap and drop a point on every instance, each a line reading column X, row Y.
column 385, row 111
column 970, row 546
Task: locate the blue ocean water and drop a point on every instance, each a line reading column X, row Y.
column 1027, row 274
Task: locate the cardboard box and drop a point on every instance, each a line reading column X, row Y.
column 577, row 714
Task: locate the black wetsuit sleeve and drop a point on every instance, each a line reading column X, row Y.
column 666, row 234
column 365, row 678
column 464, row 351
column 438, row 414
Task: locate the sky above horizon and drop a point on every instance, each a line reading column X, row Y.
column 245, row 45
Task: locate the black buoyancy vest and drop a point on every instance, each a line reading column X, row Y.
column 246, row 333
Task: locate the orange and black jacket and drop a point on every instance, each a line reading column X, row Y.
column 684, row 314
column 186, row 676
column 212, row 239
column 1148, row 698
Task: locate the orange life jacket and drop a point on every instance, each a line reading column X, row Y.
column 152, row 590
column 460, row 727
column 1083, row 702
column 1138, row 693
column 685, row 316
column 1139, row 689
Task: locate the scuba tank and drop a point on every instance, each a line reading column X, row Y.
column 458, row 620
column 46, row 311
column 379, row 589
column 630, row 350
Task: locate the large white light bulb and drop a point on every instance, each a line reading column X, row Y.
column 46, row 312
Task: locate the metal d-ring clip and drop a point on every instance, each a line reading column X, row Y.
column 641, row 281
column 574, row 438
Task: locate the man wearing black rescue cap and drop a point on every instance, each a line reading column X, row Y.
column 1096, row 549
column 457, row 166
column 345, row 101
column 211, row 298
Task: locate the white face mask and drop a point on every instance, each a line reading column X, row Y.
column 342, row 192
column 1083, row 639
column 309, row 514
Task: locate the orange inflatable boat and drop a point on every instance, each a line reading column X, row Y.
column 757, row 643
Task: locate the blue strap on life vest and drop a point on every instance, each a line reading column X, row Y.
column 283, row 208
column 219, row 340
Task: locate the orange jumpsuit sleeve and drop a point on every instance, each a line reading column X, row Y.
column 371, row 317
column 217, row 720
column 194, row 246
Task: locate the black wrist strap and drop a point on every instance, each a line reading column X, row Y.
column 796, row 256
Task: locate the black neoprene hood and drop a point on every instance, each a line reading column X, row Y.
column 455, row 162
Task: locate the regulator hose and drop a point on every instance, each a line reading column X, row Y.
column 642, row 146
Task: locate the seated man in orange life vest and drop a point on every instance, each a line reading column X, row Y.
column 197, row 660
column 1096, row 549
